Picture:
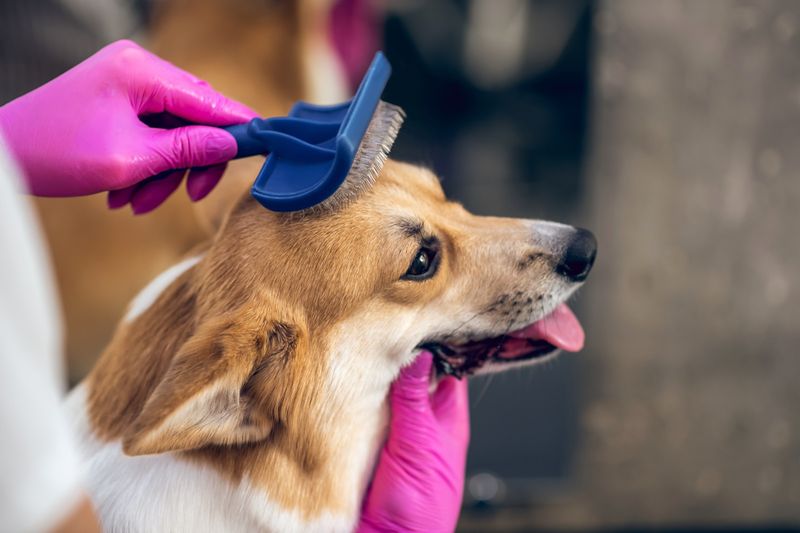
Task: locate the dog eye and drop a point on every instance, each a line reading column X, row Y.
column 423, row 266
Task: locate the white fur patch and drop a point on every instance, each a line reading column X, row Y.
column 149, row 294
column 167, row 493
column 362, row 365
column 272, row 517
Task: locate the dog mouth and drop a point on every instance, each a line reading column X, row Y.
column 560, row 330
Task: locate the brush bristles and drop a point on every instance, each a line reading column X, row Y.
column 369, row 159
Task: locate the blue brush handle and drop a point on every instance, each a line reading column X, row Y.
column 292, row 137
column 247, row 144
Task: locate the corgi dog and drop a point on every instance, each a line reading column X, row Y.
column 245, row 388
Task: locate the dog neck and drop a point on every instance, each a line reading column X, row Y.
column 313, row 467
column 319, row 469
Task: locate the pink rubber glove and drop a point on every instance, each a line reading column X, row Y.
column 81, row 133
column 419, row 480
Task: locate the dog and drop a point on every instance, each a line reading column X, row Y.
column 245, row 388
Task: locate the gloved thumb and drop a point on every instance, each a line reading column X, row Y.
column 450, row 404
column 191, row 146
column 410, row 390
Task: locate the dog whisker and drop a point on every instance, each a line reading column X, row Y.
column 485, row 387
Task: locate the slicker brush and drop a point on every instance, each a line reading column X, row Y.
column 322, row 157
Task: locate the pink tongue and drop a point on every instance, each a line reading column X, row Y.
column 560, row 328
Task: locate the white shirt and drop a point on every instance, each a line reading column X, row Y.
column 39, row 476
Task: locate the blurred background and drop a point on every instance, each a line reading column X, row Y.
column 670, row 128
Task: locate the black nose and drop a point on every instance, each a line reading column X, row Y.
column 579, row 256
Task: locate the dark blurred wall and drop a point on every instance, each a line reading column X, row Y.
column 40, row 39
column 690, row 379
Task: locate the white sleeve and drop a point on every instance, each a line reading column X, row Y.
column 39, row 476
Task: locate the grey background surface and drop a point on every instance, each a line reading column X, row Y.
column 690, row 410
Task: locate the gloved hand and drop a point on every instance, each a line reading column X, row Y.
column 419, row 480
column 81, row 133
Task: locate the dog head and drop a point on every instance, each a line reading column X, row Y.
column 286, row 316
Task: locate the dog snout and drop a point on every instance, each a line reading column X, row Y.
column 578, row 257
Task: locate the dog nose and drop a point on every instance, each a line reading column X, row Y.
column 579, row 256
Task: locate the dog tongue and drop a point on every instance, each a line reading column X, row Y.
column 560, row 328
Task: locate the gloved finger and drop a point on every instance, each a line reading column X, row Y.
column 120, row 197
column 410, row 389
column 189, row 147
column 179, row 93
column 450, row 405
column 202, row 181
column 151, row 193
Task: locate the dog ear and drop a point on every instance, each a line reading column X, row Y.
column 217, row 388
